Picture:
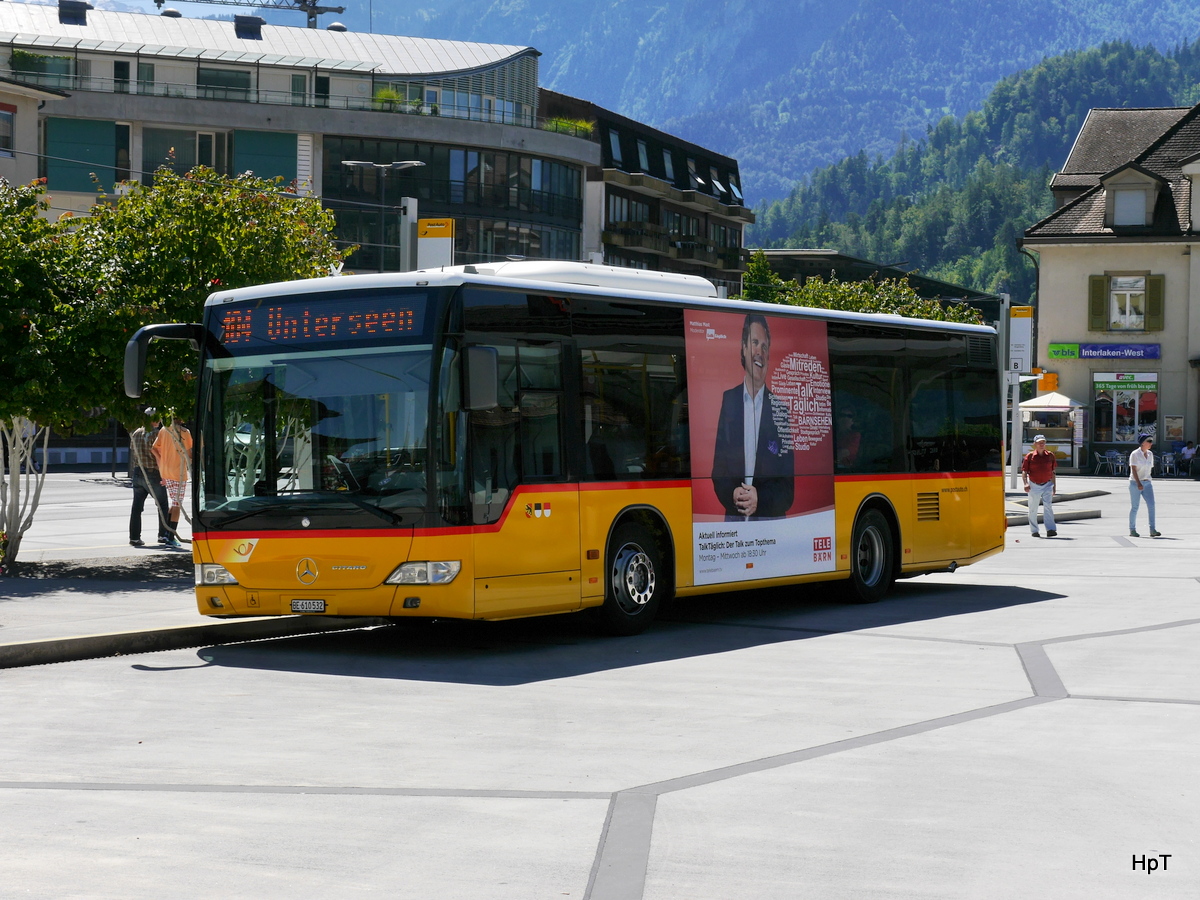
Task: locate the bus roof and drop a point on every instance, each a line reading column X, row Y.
column 580, row 279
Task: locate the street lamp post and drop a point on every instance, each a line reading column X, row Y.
column 382, row 169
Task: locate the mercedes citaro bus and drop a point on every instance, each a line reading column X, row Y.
column 524, row 438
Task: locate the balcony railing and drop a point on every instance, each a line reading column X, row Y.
column 187, row 91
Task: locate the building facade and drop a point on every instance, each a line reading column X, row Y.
column 142, row 92
column 664, row 204
column 1119, row 286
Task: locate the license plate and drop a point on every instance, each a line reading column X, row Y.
column 308, row 606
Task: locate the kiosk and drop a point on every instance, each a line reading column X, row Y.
column 1063, row 422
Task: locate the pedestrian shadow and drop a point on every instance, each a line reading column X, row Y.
column 525, row 651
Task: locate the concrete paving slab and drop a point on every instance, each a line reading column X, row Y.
column 170, row 844
column 628, row 722
column 1048, row 801
column 1160, row 663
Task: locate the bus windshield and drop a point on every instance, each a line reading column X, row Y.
column 295, row 424
column 341, row 426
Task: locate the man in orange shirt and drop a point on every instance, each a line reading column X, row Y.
column 1037, row 469
column 173, row 450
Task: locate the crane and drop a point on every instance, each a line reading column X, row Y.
column 310, row 7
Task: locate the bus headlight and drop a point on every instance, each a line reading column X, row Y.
column 211, row 573
column 425, row 572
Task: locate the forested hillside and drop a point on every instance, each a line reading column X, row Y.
column 785, row 86
column 953, row 202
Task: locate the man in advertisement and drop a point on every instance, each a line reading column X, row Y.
column 752, row 469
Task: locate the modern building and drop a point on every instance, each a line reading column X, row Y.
column 296, row 103
column 1118, row 315
column 666, row 204
column 523, row 172
column 93, row 97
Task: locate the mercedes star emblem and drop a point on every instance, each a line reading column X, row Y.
column 306, row 571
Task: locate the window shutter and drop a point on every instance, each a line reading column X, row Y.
column 1097, row 303
column 1156, row 293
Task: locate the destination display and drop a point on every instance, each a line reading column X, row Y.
column 318, row 320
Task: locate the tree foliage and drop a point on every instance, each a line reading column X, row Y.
column 73, row 292
column 893, row 296
column 156, row 254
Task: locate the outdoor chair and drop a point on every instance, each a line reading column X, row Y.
column 1169, row 467
column 1102, row 464
column 1117, row 463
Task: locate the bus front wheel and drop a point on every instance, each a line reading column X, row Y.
column 635, row 581
column 872, row 558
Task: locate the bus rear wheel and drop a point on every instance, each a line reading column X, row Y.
column 635, row 581
column 872, row 558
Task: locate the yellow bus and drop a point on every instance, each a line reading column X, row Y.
column 525, row 438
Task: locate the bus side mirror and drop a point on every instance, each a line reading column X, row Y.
column 135, row 350
column 483, row 378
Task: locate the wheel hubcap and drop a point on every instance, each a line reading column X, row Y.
column 632, row 578
column 869, row 557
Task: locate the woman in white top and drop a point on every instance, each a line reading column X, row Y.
column 1141, row 464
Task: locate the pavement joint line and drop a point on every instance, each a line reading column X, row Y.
column 622, row 859
column 1134, row 699
column 928, row 638
column 623, row 854
column 344, row 790
column 1040, row 671
column 1162, row 626
column 1123, row 541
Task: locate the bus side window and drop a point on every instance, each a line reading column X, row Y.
column 935, row 426
column 868, row 390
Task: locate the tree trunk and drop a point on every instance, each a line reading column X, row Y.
column 20, row 484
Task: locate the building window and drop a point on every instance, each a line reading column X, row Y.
column 123, row 161
column 223, row 84
column 668, row 166
column 145, row 78
column 1126, row 405
column 1126, row 302
column 299, row 89
column 694, row 180
column 614, row 143
column 1129, row 207
column 716, row 181
column 8, row 115
column 643, row 157
column 622, row 210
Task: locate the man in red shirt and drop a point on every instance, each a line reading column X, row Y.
column 1037, row 469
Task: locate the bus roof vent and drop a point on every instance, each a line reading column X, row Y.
column 612, row 277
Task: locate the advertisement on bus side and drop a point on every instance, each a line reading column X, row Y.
column 762, row 448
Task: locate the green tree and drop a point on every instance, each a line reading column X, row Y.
column 31, row 389
column 888, row 295
column 73, row 292
column 156, row 254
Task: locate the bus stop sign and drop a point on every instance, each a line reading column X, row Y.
column 1020, row 338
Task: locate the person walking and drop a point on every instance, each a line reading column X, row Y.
column 1141, row 467
column 147, row 481
column 173, row 448
column 1037, row 470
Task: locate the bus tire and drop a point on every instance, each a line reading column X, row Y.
column 634, row 581
column 872, row 558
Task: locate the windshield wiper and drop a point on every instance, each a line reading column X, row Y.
column 386, row 515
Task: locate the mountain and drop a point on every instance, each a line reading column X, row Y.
column 785, row 86
column 954, row 202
